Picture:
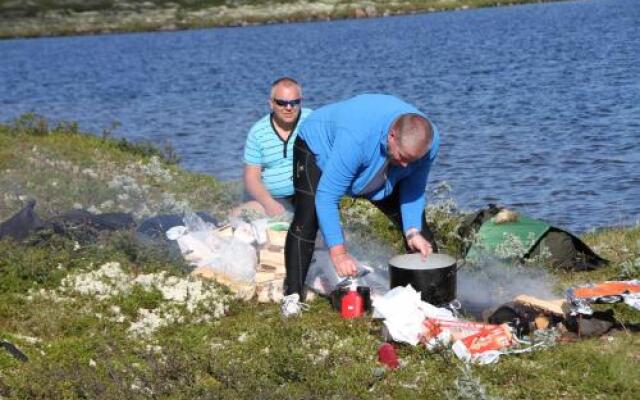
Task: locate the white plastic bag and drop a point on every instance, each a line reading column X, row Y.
column 260, row 230
column 322, row 276
column 229, row 256
column 198, row 247
column 254, row 232
column 194, row 223
column 404, row 312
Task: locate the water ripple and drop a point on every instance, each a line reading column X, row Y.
column 538, row 105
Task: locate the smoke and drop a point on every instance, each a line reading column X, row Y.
column 322, row 276
column 367, row 250
column 491, row 282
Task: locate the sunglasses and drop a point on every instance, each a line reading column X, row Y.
column 284, row 103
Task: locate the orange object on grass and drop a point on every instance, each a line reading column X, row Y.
column 432, row 327
column 495, row 338
column 609, row 288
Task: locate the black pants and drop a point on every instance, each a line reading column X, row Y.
column 301, row 237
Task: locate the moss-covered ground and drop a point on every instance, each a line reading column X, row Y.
column 80, row 344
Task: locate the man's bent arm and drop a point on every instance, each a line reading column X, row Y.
column 337, row 177
column 254, row 186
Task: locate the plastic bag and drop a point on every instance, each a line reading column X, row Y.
column 286, row 216
column 254, row 232
column 260, row 230
column 404, row 313
column 323, row 278
column 632, row 300
column 229, row 256
column 194, row 223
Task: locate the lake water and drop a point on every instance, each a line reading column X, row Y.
column 538, row 105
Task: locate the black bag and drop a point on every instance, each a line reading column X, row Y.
column 85, row 227
column 22, row 224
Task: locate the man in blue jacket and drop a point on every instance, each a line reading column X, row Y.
column 373, row 146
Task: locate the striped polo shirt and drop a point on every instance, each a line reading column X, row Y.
column 265, row 148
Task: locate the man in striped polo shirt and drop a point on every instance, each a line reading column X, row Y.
column 268, row 152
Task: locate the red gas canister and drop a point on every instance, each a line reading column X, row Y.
column 352, row 304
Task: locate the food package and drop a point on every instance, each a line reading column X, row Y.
column 604, row 289
column 484, row 346
column 581, row 297
column 433, row 329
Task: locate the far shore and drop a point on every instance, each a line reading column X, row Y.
column 71, row 17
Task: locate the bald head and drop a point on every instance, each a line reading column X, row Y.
column 409, row 139
column 285, row 102
column 285, row 83
column 413, row 132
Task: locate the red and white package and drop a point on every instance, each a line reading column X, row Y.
column 581, row 297
column 485, row 345
column 433, row 328
column 604, row 289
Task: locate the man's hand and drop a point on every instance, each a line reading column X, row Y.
column 255, row 187
column 417, row 242
column 345, row 264
column 274, row 208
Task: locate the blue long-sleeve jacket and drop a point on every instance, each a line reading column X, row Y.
column 349, row 141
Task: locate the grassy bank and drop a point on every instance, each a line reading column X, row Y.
column 82, row 312
column 69, row 169
column 75, row 17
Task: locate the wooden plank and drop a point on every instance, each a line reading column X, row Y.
column 553, row 306
column 276, row 249
column 224, row 231
column 263, row 276
column 276, row 238
column 279, row 271
column 541, row 322
column 267, row 289
column 244, row 291
column 273, row 259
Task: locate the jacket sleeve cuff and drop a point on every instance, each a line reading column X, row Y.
column 333, row 239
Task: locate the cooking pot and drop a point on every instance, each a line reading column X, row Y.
column 434, row 277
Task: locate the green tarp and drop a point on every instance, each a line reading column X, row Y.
column 508, row 239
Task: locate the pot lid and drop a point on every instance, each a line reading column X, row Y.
column 415, row 261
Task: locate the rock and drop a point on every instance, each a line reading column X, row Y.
column 371, row 11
